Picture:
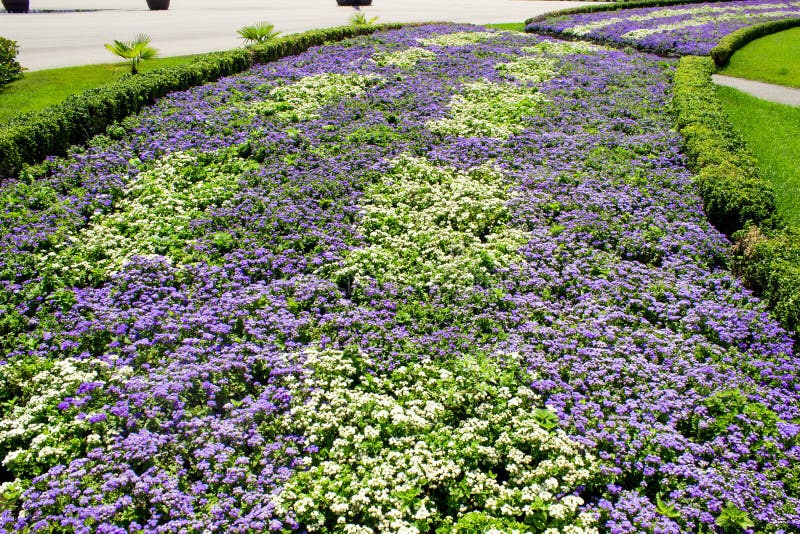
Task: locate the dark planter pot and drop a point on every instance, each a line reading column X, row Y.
column 158, row 5
column 16, row 6
column 354, row 2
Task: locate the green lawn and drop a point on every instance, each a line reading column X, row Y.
column 772, row 132
column 512, row 26
column 42, row 88
column 773, row 59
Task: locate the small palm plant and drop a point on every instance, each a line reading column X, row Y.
column 360, row 19
column 257, row 33
column 134, row 52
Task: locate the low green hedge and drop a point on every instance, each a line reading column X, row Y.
column 733, row 192
column 769, row 262
column 734, row 41
column 32, row 137
column 737, row 200
column 613, row 6
column 10, row 70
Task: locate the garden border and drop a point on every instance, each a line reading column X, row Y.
column 736, row 198
column 32, row 137
column 736, row 40
column 613, row 6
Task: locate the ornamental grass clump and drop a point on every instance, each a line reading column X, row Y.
column 133, row 52
column 258, row 33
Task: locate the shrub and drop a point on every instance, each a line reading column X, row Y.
column 736, row 40
column 32, row 137
column 10, row 70
column 733, row 192
column 260, row 32
column 770, row 264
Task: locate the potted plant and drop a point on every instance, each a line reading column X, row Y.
column 158, row 5
column 16, row 6
column 354, row 2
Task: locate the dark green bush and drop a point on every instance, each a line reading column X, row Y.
column 613, row 6
column 734, row 41
column 32, row 137
column 770, row 264
column 733, row 192
column 10, row 70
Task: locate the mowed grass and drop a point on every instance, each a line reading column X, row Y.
column 42, row 88
column 511, row 26
column 772, row 132
column 772, row 59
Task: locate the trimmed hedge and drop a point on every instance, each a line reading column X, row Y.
column 733, row 192
column 31, row 137
column 736, row 40
column 615, row 5
column 10, row 70
column 769, row 262
column 736, row 198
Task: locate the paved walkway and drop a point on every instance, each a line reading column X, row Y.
column 774, row 93
column 66, row 38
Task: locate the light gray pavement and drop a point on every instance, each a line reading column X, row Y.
column 766, row 91
column 49, row 40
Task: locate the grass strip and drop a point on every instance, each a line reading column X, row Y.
column 765, row 58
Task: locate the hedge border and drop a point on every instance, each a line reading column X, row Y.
column 736, row 40
column 737, row 199
column 32, row 137
column 613, row 6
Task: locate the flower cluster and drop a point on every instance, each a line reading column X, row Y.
column 338, row 293
column 682, row 29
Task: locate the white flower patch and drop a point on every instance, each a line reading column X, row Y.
column 429, row 225
column 563, row 48
column 154, row 214
column 532, row 69
column 489, row 110
column 404, row 58
column 36, row 432
column 396, row 446
column 300, row 101
column 459, row 38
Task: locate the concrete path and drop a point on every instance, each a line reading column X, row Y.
column 66, row 38
column 767, row 91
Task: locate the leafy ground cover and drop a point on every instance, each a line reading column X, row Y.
column 772, row 59
column 40, row 89
column 435, row 279
column 772, row 133
column 680, row 29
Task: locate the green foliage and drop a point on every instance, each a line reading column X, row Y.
column 736, row 40
column 360, row 19
column 258, row 33
column 733, row 519
column 772, row 133
column 32, row 137
column 134, row 52
column 10, row 70
column 732, row 189
column 770, row 264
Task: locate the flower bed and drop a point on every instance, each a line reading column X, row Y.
column 432, row 278
column 681, row 29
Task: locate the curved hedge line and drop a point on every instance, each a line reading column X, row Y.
column 737, row 200
column 613, row 6
column 10, row 69
column 736, row 40
column 32, row 137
